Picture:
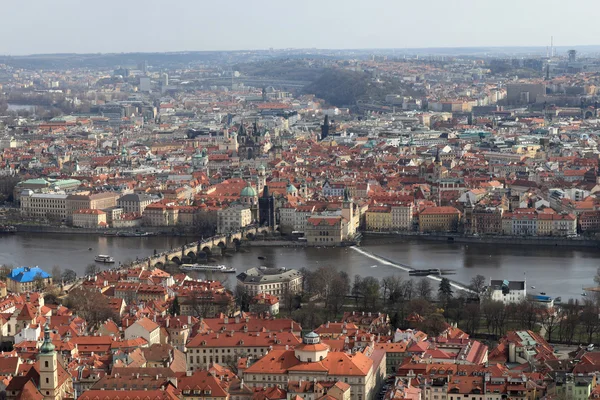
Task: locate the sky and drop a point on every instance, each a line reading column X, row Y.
column 113, row 26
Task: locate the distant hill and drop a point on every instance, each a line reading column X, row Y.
column 345, row 88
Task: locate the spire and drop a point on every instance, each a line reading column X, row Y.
column 346, row 195
column 47, row 347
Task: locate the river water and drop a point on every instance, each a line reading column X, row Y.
column 555, row 271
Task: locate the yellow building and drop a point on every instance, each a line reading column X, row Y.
column 325, row 230
column 439, row 219
column 378, row 218
column 88, row 218
column 26, row 279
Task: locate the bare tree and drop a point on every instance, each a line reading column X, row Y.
column 92, row 269
column 424, row 289
column 477, row 284
column 473, row 317
column 90, row 305
column 589, row 319
column 549, row 318
column 56, row 274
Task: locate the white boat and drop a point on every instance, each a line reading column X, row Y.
column 207, row 268
column 101, row 258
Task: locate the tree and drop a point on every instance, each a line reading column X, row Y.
column 589, row 319
column 527, row 313
column 90, row 305
column 549, row 318
column 56, row 274
column 424, row 289
column 5, row 271
column 473, row 317
column 477, row 284
column 445, row 291
column 433, row 325
column 175, row 308
column 92, row 269
column 340, row 286
column 242, row 297
column 370, row 292
column 494, row 313
column 69, row 276
column 52, row 295
column 39, row 282
column 290, row 300
column 568, row 321
column 356, row 288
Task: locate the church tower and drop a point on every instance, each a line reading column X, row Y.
column 48, row 368
column 348, row 211
column 262, row 178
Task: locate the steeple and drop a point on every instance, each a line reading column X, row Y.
column 346, row 195
column 48, row 368
column 47, row 347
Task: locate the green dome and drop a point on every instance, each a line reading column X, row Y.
column 291, row 188
column 261, row 168
column 47, row 347
column 248, row 191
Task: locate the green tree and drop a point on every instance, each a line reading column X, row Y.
column 433, row 324
column 445, row 291
column 175, row 308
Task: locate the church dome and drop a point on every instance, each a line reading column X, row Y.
column 291, row 189
column 248, row 191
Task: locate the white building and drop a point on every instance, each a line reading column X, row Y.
column 507, row 291
column 144, row 328
column 233, row 218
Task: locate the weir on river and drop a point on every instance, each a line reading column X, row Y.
column 406, row 268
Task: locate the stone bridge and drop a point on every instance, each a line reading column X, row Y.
column 207, row 247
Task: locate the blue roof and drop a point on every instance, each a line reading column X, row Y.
column 27, row 274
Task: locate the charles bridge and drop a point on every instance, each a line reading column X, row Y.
column 214, row 245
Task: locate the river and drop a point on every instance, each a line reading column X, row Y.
column 555, row 271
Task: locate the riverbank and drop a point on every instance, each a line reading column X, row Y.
column 273, row 243
column 157, row 231
column 506, row 240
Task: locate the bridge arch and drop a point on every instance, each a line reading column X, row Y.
column 206, row 250
column 176, row 260
column 191, row 254
column 221, row 244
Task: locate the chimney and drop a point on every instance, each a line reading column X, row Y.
column 327, row 326
column 189, row 319
column 225, row 320
column 168, row 319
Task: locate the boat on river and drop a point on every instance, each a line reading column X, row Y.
column 208, row 268
column 106, row 259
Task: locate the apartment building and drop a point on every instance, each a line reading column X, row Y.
column 88, row 218
column 313, row 361
column 271, row 281
column 225, row 347
column 439, row 219
column 233, row 218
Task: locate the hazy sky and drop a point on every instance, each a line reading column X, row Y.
column 86, row 26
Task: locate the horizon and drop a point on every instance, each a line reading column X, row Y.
column 403, row 49
column 152, row 26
